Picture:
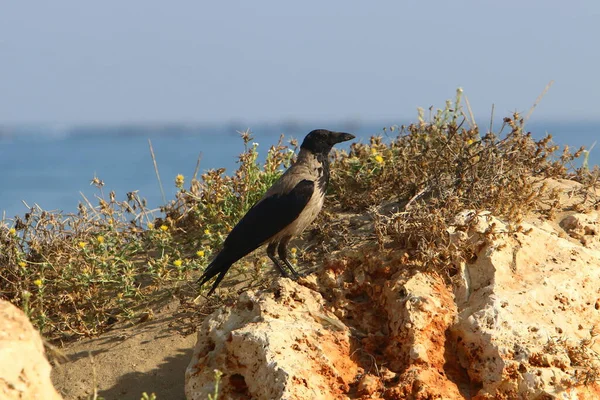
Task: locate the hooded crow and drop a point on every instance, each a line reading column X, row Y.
column 286, row 209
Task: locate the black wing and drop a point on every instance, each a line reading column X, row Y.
column 266, row 218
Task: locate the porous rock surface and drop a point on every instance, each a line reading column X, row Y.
column 517, row 322
column 24, row 370
column 529, row 311
column 280, row 344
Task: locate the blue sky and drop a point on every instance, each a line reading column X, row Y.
column 197, row 61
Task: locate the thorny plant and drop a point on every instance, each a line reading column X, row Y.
column 76, row 274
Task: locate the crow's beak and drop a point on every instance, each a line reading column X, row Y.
column 344, row 137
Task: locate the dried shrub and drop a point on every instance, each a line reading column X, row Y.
column 434, row 170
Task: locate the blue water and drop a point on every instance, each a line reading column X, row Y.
column 50, row 166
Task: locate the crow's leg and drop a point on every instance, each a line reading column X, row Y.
column 282, row 251
column 271, row 253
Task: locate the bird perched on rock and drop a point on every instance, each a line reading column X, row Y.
column 286, row 209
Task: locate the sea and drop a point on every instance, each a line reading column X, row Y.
column 52, row 165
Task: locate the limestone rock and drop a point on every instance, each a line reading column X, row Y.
column 526, row 329
column 419, row 312
column 288, row 345
column 24, row 370
column 280, row 344
column 583, row 227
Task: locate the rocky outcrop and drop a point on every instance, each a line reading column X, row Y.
column 518, row 321
column 526, row 326
column 421, row 309
column 24, row 370
column 280, row 344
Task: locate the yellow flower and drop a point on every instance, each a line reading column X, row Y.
column 164, row 228
column 12, row 231
column 207, row 232
column 470, row 141
column 373, row 150
column 100, row 239
column 82, row 245
column 200, row 253
column 150, row 225
column 22, row 264
column 179, row 180
column 177, row 263
column 38, row 282
column 379, row 159
column 294, row 251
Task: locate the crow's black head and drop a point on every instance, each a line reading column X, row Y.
column 322, row 140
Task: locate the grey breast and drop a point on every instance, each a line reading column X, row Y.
column 306, row 167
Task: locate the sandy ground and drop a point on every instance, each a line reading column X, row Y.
column 123, row 363
column 150, row 356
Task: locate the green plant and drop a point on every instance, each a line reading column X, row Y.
column 215, row 395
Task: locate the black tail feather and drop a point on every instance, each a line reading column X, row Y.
column 216, row 282
column 219, row 266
